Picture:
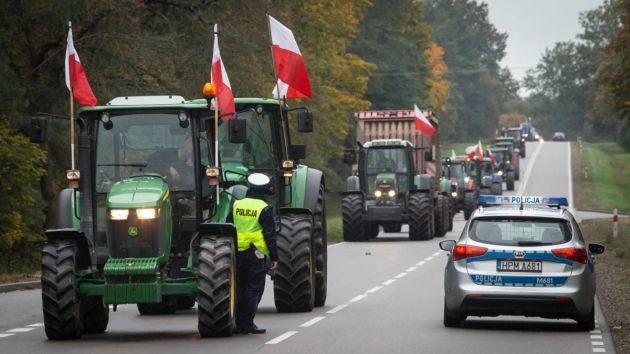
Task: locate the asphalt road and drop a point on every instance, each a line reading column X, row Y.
column 384, row 296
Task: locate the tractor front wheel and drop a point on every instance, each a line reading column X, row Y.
column 167, row 306
column 470, row 204
column 441, row 212
column 496, row 188
column 216, row 289
column 509, row 181
column 420, row 214
column 352, row 209
column 392, row 227
column 94, row 315
column 294, row 280
column 62, row 311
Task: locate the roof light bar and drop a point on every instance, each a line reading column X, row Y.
column 487, row 200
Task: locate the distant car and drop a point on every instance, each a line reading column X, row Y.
column 522, row 256
column 559, row 136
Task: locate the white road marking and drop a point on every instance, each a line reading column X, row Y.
column 411, row 269
column 337, row 309
column 358, row 298
column 374, row 289
column 419, row 264
column 387, row 282
column 530, row 168
column 596, row 331
column 599, row 350
column 597, row 343
column 336, row 244
column 596, row 336
column 400, row 275
column 437, row 253
column 312, row 322
column 282, row 337
column 4, row 335
column 570, row 196
column 36, row 325
column 20, row 330
column 428, row 258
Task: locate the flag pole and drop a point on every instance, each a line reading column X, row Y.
column 280, row 100
column 71, row 116
column 216, row 117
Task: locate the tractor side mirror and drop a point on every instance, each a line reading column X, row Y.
column 428, row 155
column 298, row 152
column 237, row 131
column 349, row 156
column 305, row 122
column 37, row 132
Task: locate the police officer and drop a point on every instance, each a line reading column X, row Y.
column 255, row 229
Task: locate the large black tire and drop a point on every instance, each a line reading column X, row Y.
column 94, row 315
column 371, row 230
column 293, row 286
column 451, row 212
column 185, row 302
column 352, row 209
column 452, row 319
column 320, row 240
column 62, row 311
column 420, row 214
column 509, row 181
column 392, row 227
column 496, row 188
column 167, row 306
column 216, row 289
column 485, row 191
column 517, row 172
column 441, row 212
column 522, row 151
column 470, row 204
column 587, row 323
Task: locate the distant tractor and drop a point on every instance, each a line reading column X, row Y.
column 396, row 180
column 463, row 192
column 487, row 181
column 519, row 140
column 513, row 154
column 504, row 166
column 141, row 222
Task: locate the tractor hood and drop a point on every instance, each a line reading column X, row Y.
column 386, row 181
column 137, row 192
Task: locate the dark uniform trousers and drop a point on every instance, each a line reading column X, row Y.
column 250, row 287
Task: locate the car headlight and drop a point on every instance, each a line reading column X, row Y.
column 454, row 194
column 147, row 213
column 118, row 214
column 378, row 194
column 391, row 193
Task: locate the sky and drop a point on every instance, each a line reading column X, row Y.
column 534, row 25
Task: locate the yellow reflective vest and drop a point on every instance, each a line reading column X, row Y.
column 249, row 231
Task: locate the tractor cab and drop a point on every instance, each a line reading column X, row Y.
column 388, row 169
column 482, row 171
column 505, row 169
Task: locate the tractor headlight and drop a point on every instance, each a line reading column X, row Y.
column 454, row 194
column 378, row 194
column 500, row 173
column 147, row 213
column 391, row 193
column 118, row 214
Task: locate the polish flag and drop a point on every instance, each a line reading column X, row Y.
column 76, row 80
column 293, row 81
column 219, row 77
column 422, row 122
column 479, row 150
column 471, row 151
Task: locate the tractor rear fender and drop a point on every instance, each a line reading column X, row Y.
column 83, row 250
column 305, row 187
column 422, row 183
column 67, row 209
column 352, row 184
column 207, row 229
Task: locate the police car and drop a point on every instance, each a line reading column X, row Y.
column 520, row 255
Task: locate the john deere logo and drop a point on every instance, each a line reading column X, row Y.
column 132, row 231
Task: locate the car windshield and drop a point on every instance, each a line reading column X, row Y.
column 520, row 231
column 144, row 143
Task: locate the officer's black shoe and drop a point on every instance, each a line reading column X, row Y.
column 256, row 330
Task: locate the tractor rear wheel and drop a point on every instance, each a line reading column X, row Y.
column 509, row 181
column 451, row 212
column 485, row 191
column 167, row 306
column 469, row 204
column 371, row 230
column 523, row 151
column 94, row 315
column 320, row 240
column 496, row 188
column 392, row 227
column 419, row 211
column 216, row 289
column 294, row 280
column 517, row 172
column 185, row 302
column 62, row 311
column 441, row 222
column 352, row 209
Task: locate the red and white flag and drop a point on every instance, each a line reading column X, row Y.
column 219, row 77
column 471, row 151
column 76, row 80
column 293, row 80
column 422, row 122
column 479, row 150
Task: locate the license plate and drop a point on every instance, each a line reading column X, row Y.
column 512, row 265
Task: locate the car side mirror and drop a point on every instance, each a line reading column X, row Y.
column 447, row 245
column 237, row 131
column 37, row 132
column 298, row 152
column 349, row 156
column 596, row 248
column 305, row 122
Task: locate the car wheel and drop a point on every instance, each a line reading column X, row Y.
column 452, row 319
column 587, row 323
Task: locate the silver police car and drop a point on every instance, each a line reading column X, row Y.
column 520, row 255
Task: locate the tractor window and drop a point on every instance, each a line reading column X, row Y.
column 387, row 161
column 455, row 171
column 145, row 143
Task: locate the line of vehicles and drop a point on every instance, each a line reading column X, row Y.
column 130, row 231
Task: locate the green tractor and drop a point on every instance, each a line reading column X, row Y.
column 143, row 221
column 487, row 181
column 505, row 170
column 513, row 156
column 463, row 192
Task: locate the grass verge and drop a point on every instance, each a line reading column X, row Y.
column 601, row 177
column 334, row 221
column 613, row 278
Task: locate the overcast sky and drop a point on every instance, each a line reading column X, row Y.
column 533, row 26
